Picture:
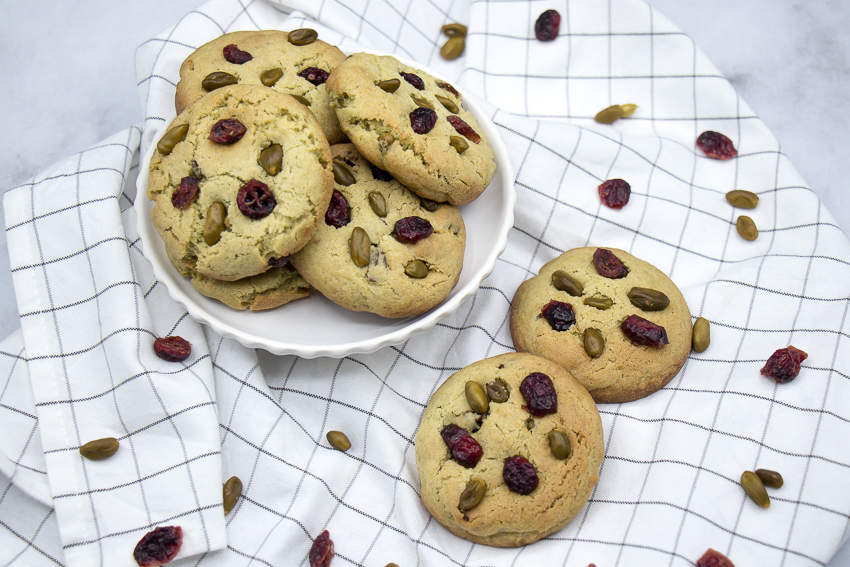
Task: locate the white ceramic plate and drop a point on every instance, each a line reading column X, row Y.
column 315, row 326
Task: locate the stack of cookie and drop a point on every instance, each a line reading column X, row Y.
column 258, row 198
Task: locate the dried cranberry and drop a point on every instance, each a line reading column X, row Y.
column 172, row 349
column 236, row 55
column 716, row 145
column 784, row 364
column 337, row 214
column 547, row 25
column 520, row 475
column 448, row 87
column 227, row 131
column 278, row 262
column 560, row 315
column 255, row 200
column 411, row 230
column 465, row 449
column 314, row 75
column 608, row 265
column 380, row 174
column 186, row 192
column 463, row 128
column 159, row 546
column 643, row 332
column 322, row 550
column 414, row 80
column 539, row 394
column 615, row 193
column 712, row 558
column 423, row 120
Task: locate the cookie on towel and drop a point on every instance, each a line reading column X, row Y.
column 241, row 179
column 413, row 126
column 492, row 498
column 580, row 306
column 264, row 57
column 385, row 273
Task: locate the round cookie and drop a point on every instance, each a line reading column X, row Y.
column 269, row 50
column 505, row 518
column 275, row 287
column 378, row 122
column 381, row 286
column 301, row 188
column 624, row 371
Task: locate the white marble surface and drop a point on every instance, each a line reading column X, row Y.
column 68, row 83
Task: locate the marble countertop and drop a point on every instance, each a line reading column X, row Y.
column 69, row 83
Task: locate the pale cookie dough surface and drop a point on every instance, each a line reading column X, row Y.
column 382, row 286
column 624, row 372
column 505, row 518
column 425, row 163
column 275, row 287
column 270, row 49
column 302, row 188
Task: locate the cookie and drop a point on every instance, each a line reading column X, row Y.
column 412, row 125
column 488, row 447
column 227, row 207
column 264, row 57
column 620, row 350
column 412, row 254
column 275, row 287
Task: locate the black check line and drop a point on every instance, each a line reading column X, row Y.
column 31, row 544
column 198, row 511
column 44, row 263
column 733, row 435
column 79, row 301
column 122, row 383
column 142, row 479
column 690, row 512
column 480, row 328
column 62, row 210
column 423, row 364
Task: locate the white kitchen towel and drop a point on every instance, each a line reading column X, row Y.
column 669, row 486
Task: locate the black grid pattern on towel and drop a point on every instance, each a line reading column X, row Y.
column 669, row 484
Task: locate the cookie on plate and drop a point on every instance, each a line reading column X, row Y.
column 265, row 57
column 508, row 450
column 381, row 248
column 240, row 179
column 619, row 324
column 275, row 287
column 413, row 126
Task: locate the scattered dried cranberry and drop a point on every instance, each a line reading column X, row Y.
column 255, row 200
column 159, row 546
column 414, row 80
column 278, row 262
column 236, row 55
column 463, row 128
column 520, row 475
column 186, row 192
column 643, row 332
column 380, row 174
column 465, row 449
column 227, row 131
column 539, row 394
column 322, row 550
column 608, row 265
column 615, row 193
column 411, row 230
column 560, row 315
column 712, row 558
column 448, row 87
column 547, row 25
column 784, row 364
column 314, row 75
column 423, row 120
column 716, row 145
column 172, row 349
column 337, row 214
